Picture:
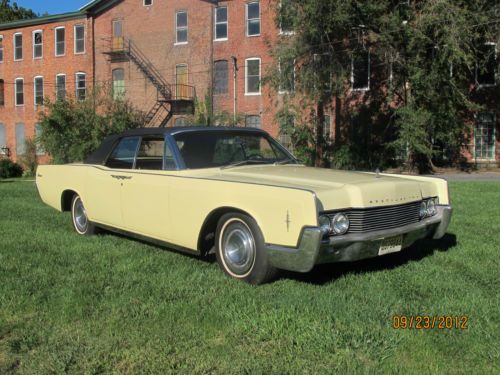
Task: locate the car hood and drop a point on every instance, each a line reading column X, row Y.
column 334, row 188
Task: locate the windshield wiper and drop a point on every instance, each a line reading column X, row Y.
column 244, row 162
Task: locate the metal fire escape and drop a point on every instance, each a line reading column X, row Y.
column 171, row 99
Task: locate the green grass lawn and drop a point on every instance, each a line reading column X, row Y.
column 109, row 304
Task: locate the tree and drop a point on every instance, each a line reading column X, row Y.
column 13, row 12
column 415, row 60
column 72, row 129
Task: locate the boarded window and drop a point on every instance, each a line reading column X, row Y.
column 181, row 81
column 253, row 18
column 38, row 88
column 60, row 41
column 181, row 27
column 220, row 77
column 252, row 121
column 360, row 73
column 118, row 83
column 79, row 38
column 220, row 23
column 20, row 139
column 37, row 44
column 18, row 46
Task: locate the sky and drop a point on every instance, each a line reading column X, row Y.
column 51, row 6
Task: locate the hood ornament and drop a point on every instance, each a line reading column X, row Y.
column 377, row 171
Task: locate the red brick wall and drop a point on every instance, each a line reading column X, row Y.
column 48, row 66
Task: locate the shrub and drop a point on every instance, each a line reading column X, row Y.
column 9, row 169
column 28, row 160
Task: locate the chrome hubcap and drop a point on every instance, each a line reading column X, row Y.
column 80, row 216
column 238, row 248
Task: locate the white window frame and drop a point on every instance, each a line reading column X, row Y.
column 221, row 23
column 246, row 76
column 488, row 159
column 246, row 19
column 361, row 89
column 65, row 90
column 14, row 45
column 481, row 85
column 147, row 5
column 15, row 92
column 55, row 40
column 34, row 90
column 2, row 48
column 74, row 39
column 33, row 43
column 281, row 32
column 76, row 85
column 280, row 90
column 177, row 43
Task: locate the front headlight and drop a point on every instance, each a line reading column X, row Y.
column 340, row 223
column 431, row 207
column 423, row 209
column 325, row 225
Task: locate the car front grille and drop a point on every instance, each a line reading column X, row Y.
column 381, row 218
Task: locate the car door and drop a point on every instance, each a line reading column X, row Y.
column 145, row 196
column 104, row 185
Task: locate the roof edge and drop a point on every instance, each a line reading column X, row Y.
column 42, row 20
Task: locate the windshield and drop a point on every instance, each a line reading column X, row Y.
column 210, row 149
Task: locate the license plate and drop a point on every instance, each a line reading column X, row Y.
column 391, row 245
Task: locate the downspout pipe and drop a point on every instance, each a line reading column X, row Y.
column 235, row 70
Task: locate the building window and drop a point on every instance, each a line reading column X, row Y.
column 79, row 38
column 252, row 76
column 484, row 136
column 18, row 46
column 118, row 40
column 148, row 3
column 486, row 65
column 1, row 48
column 37, row 44
column 252, row 121
column 220, row 77
column 3, row 140
column 360, row 70
column 38, row 134
column 19, row 89
column 181, row 27
column 20, row 139
column 118, row 83
column 253, row 18
column 38, row 90
column 61, row 87
column 287, row 75
column 181, row 81
column 221, row 23
column 60, row 41
column 2, row 92
column 326, row 129
column 81, row 86
column 286, row 14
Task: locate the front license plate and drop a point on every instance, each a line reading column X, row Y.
column 391, row 245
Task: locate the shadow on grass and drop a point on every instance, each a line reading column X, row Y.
column 325, row 273
column 5, row 181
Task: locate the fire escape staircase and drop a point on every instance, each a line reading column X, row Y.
column 171, row 99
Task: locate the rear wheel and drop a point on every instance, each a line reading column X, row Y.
column 81, row 222
column 240, row 249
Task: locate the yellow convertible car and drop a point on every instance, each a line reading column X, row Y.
column 239, row 193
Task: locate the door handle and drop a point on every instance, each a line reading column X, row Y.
column 121, row 177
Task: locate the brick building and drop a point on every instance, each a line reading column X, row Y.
column 162, row 55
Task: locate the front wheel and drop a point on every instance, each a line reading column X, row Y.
column 81, row 222
column 240, row 249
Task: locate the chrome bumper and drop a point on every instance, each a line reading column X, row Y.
column 313, row 249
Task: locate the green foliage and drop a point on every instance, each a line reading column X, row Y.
column 14, row 12
column 422, row 58
column 28, row 159
column 204, row 116
column 10, row 169
column 72, row 129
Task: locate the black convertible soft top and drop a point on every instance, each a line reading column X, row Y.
column 100, row 155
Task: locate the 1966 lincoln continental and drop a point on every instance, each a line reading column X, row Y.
column 238, row 192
